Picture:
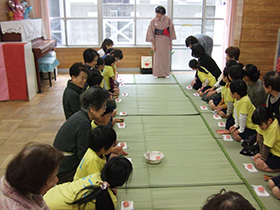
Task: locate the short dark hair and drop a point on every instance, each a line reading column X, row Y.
column 109, row 59
column 227, row 200
column 262, row 115
column 76, row 69
column 101, row 136
column 236, row 72
column 272, row 79
column 226, row 72
column 93, row 97
column 160, row 10
column 194, row 64
column 94, row 78
column 239, row 87
column 198, row 51
column 100, row 61
column 105, row 42
column 252, row 72
column 230, row 63
column 89, row 55
column 191, row 40
column 33, row 166
column 110, row 106
column 117, row 53
column 233, row 52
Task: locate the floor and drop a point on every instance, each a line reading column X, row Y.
column 31, row 121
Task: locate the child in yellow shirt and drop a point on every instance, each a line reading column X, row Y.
column 268, row 138
column 109, row 75
column 207, row 79
column 101, row 141
column 243, row 110
column 91, row 192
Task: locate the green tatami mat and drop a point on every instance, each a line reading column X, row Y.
column 126, row 78
column 154, row 100
column 148, row 79
column 180, row 198
column 213, row 124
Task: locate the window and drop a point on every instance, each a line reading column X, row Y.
column 88, row 22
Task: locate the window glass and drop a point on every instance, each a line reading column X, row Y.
column 146, row 8
column 141, row 31
column 215, row 29
column 118, row 8
column 56, row 8
column 82, row 32
column 119, row 30
column 81, row 8
column 57, row 31
column 187, row 9
column 215, row 9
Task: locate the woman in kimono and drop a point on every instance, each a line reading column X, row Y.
column 160, row 33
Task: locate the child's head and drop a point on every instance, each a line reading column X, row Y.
column 226, row 75
column 198, row 51
column 232, row 53
column 263, row 117
column 238, row 88
column 100, row 63
column 271, row 81
column 117, row 53
column 94, row 78
column 230, row 63
column 109, row 60
column 106, row 44
column 78, row 73
column 90, row 57
column 101, row 139
column 227, row 200
column 236, row 72
column 110, row 107
column 193, row 64
column 115, row 173
column 251, row 73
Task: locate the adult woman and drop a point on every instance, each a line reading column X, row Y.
column 106, row 44
column 94, row 191
column 29, row 176
column 160, row 33
column 72, row 137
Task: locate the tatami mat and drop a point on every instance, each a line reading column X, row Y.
column 148, row 79
column 179, row 198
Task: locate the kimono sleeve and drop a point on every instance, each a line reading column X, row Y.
column 150, row 36
column 172, row 33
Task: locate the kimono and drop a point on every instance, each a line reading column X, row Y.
column 161, row 58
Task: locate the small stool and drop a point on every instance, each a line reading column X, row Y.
column 48, row 64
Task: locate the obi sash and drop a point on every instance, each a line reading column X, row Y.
column 162, row 32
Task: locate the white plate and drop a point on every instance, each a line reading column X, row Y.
column 154, row 157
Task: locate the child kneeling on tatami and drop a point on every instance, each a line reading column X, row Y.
column 101, row 141
column 268, row 138
column 243, row 110
column 207, row 79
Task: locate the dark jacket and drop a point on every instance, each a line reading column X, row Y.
column 72, row 137
column 71, row 99
column 207, row 62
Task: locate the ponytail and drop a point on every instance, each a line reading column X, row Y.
column 195, row 65
column 94, row 194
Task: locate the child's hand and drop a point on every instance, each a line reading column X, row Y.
column 221, row 113
column 232, row 129
column 210, row 93
column 210, row 89
column 257, row 156
column 235, row 133
column 259, row 163
column 118, row 150
column 219, row 108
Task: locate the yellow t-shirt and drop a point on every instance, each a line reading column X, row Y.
column 245, row 106
column 203, row 76
column 271, row 137
column 93, row 125
column 107, row 73
column 58, row 196
column 226, row 94
column 91, row 163
column 102, row 83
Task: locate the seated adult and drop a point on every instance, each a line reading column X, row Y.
column 206, row 61
column 71, row 96
column 90, row 58
column 72, row 137
column 227, row 200
column 28, row 177
column 204, row 40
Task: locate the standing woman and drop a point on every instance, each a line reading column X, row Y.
column 160, row 33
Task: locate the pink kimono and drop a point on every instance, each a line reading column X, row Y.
column 161, row 59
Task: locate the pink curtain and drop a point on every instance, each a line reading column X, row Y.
column 230, row 22
column 40, row 9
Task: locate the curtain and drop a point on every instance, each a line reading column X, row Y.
column 230, row 22
column 40, row 9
